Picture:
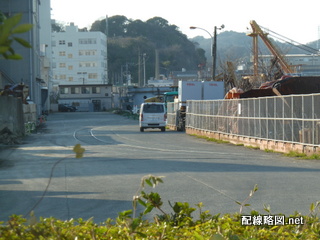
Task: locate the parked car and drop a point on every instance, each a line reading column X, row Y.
column 66, row 108
column 152, row 115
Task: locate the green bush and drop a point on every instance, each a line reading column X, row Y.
column 9, row 28
column 179, row 224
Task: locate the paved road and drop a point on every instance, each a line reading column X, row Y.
column 43, row 175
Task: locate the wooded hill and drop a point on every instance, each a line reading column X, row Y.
column 129, row 40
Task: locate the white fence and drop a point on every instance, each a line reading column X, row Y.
column 291, row 118
column 171, row 114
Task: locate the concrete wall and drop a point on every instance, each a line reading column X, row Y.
column 30, row 113
column 11, row 115
column 262, row 144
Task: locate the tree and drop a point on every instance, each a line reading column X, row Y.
column 117, row 26
column 98, row 26
column 129, row 39
column 158, row 22
column 9, row 27
column 57, row 27
column 137, row 28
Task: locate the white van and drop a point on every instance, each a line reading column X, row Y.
column 153, row 115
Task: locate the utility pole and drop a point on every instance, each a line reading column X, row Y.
column 139, row 68
column 213, row 47
column 157, row 64
column 105, row 79
column 214, row 53
column 144, row 69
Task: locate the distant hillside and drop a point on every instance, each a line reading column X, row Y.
column 235, row 46
column 230, row 46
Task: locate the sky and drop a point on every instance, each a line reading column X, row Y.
column 296, row 20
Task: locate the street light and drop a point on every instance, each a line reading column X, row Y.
column 213, row 46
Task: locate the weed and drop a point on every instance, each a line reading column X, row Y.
column 295, row 154
column 302, row 155
column 244, row 203
column 314, row 156
column 252, row 147
column 269, row 151
column 209, row 139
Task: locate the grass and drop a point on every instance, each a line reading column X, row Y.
column 303, row 155
column 209, row 139
column 240, row 144
column 253, row 147
column 290, row 154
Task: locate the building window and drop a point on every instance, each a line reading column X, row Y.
column 62, row 42
column 87, row 52
column 70, row 67
column 85, row 90
column 96, row 90
column 70, row 79
column 62, row 53
column 88, row 41
column 91, row 52
column 64, row 90
column 70, row 55
column 87, row 64
column 69, row 44
column 92, row 75
column 75, row 90
column 62, row 65
column 62, row 77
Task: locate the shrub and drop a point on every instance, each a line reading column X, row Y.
column 180, row 224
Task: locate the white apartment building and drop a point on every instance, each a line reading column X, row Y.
column 79, row 57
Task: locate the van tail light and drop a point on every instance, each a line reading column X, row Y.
column 141, row 117
column 165, row 117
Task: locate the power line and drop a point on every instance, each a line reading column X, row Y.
column 290, row 41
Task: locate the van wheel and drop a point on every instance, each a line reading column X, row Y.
column 163, row 129
column 141, row 129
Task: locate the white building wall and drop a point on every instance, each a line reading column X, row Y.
column 45, row 52
column 79, row 57
column 27, row 70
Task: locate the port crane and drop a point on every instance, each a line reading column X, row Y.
column 287, row 82
column 278, row 58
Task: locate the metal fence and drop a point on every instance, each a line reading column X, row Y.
column 171, row 114
column 292, row 118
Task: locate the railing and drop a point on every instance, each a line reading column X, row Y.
column 6, row 77
column 291, row 118
column 171, row 114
